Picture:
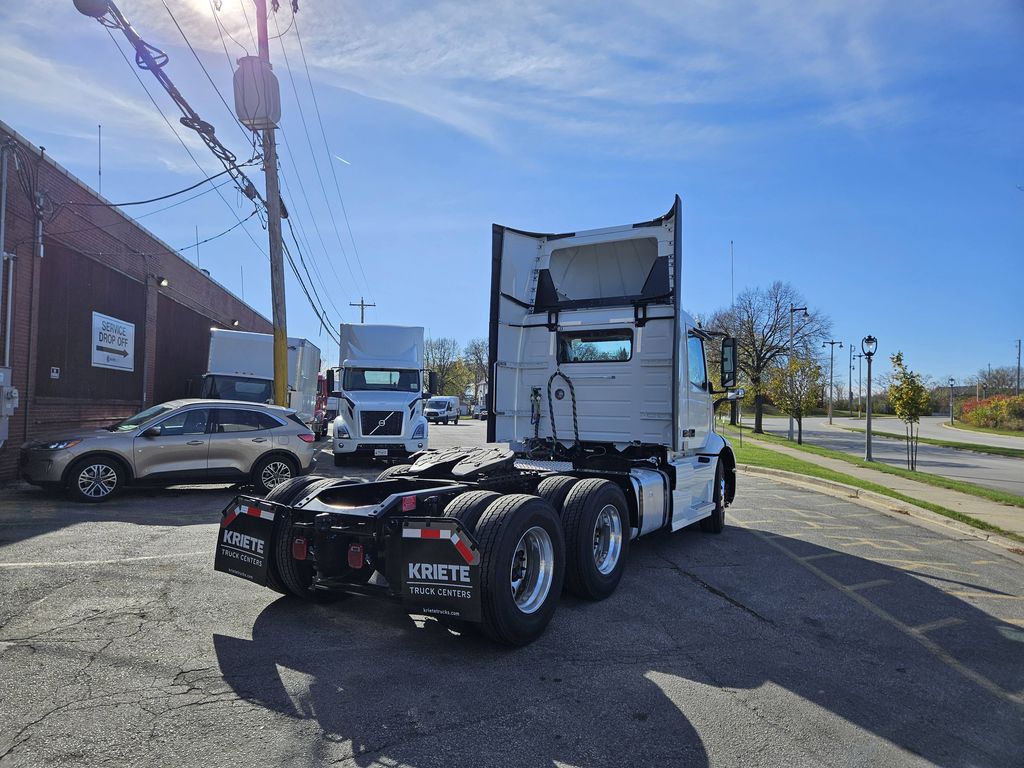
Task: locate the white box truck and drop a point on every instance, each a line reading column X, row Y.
column 599, row 386
column 241, row 367
column 379, row 391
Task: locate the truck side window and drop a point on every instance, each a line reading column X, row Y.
column 695, row 361
column 597, row 346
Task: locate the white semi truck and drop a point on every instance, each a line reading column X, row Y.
column 241, row 367
column 599, row 387
column 377, row 393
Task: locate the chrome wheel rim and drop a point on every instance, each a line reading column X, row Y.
column 721, row 492
column 274, row 473
column 97, row 481
column 607, row 539
column 532, row 570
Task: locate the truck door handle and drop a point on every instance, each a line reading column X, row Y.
column 259, row 439
column 196, row 442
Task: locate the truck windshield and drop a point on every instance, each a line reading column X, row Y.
column 378, row 379
column 237, row 388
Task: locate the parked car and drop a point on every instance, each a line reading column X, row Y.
column 442, row 409
column 481, row 412
column 182, row 441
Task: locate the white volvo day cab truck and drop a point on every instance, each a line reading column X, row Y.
column 599, row 387
column 378, row 393
column 241, row 367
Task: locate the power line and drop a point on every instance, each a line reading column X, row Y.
column 163, row 197
column 316, row 166
column 334, row 173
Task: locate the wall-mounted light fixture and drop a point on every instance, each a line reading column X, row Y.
column 234, row 323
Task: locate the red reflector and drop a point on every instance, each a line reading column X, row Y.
column 355, row 556
column 307, row 437
column 430, row 533
column 299, row 549
column 408, row 503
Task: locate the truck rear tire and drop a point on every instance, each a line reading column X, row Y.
column 285, row 493
column 522, row 567
column 468, row 507
column 596, row 521
column 716, row 522
column 296, row 576
column 554, row 489
column 395, row 470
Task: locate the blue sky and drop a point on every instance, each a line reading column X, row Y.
column 870, row 153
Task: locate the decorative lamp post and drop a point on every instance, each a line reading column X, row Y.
column 868, row 346
column 951, row 383
column 792, row 310
column 831, row 365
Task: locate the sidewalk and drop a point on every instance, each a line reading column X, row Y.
column 1002, row 515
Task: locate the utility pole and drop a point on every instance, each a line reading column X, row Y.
column 792, row 309
column 860, row 381
column 362, row 308
column 831, row 364
column 851, row 379
column 1016, row 389
column 732, row 276
column 274, row 227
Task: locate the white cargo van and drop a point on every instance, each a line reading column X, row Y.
column 442, row 409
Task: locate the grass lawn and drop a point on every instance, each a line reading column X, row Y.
column 1001, row 497
column 1015, row 453
column 758, row 456
column 990, row 430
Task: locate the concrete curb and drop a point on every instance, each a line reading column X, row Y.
column 888, row 504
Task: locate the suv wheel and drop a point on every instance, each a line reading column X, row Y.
column 92, row 480
column 273, row 470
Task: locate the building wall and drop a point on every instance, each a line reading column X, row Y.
column 94, row 259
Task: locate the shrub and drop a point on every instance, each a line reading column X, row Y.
column 998, row 412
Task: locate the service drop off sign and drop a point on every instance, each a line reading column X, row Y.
column 113, row 343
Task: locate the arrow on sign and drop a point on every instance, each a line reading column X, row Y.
column 111, row 350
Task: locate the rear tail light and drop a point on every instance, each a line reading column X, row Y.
column 307, row 437
column 299, row 549
column 355, row 556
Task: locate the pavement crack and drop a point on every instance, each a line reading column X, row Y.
column 716, row 591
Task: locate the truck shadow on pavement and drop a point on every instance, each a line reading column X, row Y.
column 749, row 647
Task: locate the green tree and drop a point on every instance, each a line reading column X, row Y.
column 795, row 387
column 475, row 357
column 440, row 356
column 909, row 399
column 458, row 381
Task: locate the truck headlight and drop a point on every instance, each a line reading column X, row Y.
column 417, row 434
column 341, row 431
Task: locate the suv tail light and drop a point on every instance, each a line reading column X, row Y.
column 307, row 437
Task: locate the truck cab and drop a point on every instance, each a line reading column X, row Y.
column 594, row 361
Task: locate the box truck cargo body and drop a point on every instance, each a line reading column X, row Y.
column 241, row 367
column 378, row 393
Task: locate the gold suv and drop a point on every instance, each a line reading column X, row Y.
column 182, row 441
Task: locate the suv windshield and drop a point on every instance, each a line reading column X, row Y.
column 140, row 418
column 378, row 379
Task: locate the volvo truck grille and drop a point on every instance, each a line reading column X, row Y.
column 381, row 422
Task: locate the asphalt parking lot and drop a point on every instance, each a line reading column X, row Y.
column 813, row 631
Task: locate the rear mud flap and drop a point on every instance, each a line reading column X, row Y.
column 245, row 538
column 440, row 564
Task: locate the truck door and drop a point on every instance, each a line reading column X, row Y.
column 698, row 407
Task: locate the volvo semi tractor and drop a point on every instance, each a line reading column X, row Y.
column 377, row 393
column 602, row 407
column 241, row 367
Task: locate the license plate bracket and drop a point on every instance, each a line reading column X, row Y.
column 380, row 452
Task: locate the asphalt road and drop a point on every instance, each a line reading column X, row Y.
column 811, row 632
column 999, row 472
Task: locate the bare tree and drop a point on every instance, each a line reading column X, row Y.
column 475, row 357
column 440, row 356
column 759, row 320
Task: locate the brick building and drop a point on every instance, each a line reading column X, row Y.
column 72, row 368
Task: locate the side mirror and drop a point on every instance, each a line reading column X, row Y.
column 152, row 432
column 432, row 382
column 330, row 379
column 728, row 362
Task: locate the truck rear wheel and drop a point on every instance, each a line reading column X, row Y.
column 297, row 576
column 554, row 489
column 596, row 521
column 716, row 522
column 522, row 567
column 395, row 470
column 285, row 493
column 468, row 507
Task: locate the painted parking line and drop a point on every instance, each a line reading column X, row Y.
column 934, row 648
column 869, row 584
column 115, row 561
column 952, row 621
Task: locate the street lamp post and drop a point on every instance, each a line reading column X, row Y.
column 792, row 311
column 860, row 382
column 868, row 344
column 851, row 346
column 831, row 364
column 951, row 383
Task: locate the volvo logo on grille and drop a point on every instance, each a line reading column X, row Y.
column 380, row 423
